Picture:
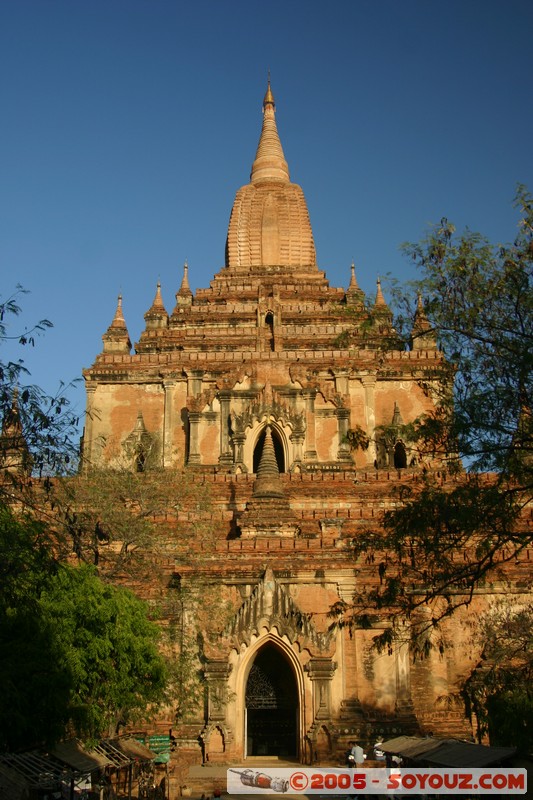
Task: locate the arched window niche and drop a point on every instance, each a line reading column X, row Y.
column 279, row 450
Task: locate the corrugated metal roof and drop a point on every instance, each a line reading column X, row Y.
column 466, row 754
column 117, row 756
column 76, row 756
column 413, row 746
column 34, row 768
column 66, row 761
column 401, row 744
column 446, row 752
column 134, row 749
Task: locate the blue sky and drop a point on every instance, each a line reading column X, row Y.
column 128, row 125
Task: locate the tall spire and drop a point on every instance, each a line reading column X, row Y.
column 269, row 223
column 269, row 161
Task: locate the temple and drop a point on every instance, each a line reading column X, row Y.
column 261, row 386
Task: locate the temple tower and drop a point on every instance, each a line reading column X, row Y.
column 258, row 386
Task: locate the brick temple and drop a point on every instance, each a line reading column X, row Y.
column 260, row 384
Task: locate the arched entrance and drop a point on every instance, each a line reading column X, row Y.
column 400, row 456
column 271, row 715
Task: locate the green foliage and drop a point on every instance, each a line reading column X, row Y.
column 107, row 518
column 453, row 530
column 357, row 438
column 109, row 648
column 479, row 300
column 38, row 430
column 78, row 656
column 369, row 329
column 499, row 688
column 440, row 544
column 196, row 611
column 510, row 719
column 35, row 688
column 186, row 684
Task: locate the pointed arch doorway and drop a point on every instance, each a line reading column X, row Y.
column 271, row 706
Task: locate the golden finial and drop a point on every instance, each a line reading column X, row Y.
column 269, row 97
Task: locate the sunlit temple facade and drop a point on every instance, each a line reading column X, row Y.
column 261, row 383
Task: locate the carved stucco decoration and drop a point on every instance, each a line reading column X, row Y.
column 329, row 393
column 139, row 443
column 226, row 382
column 270, row 605
column 268, row 403
column 312, row 380
column 198, row 402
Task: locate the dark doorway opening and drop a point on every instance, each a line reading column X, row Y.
column 278, row 450
column 269, row 322
column 271, row 706
column 400, row 456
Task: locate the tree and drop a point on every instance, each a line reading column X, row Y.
column 108, row 646
column 38, row 431
column 197, row 613
column 479, row 300
column 127, row 525
column 462, row 521
column 121, row 521
column 78, row 656
column 499, row 690
column 35, row 688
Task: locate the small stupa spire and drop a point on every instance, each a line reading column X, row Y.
column 381, row 313
column 139, row 427
column 380, row 300
column 354, row 294
column 268, row 482
column 269, row 163
column 15, row 456
column 353, row 279
column 184, row 295
column 422, row 334
column 156, row 316
column 118, row 319
column 421, row 322
column 158, row 300
column 116, row 339
column 185, row 289
column 397, row 419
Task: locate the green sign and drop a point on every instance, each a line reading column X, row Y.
column 158, row 744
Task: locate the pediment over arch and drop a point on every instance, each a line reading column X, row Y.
column 271, row 606
column 267, row 403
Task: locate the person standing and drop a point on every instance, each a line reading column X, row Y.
column 358, row 754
